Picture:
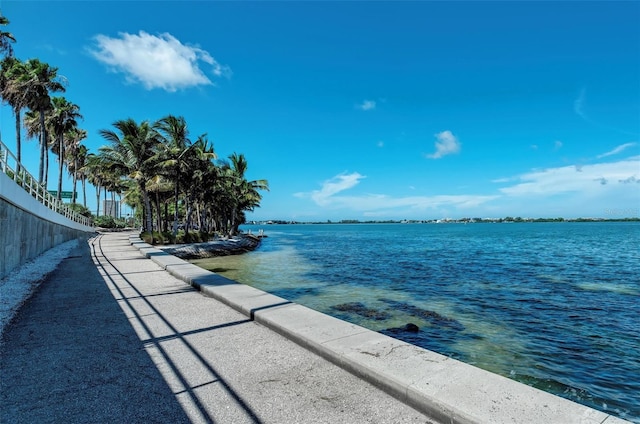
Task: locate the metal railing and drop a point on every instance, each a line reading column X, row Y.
column 10, row 166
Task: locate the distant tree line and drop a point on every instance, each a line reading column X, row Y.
column 453, row 221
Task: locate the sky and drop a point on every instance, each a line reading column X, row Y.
column 367, row 110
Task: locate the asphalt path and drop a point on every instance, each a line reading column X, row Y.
column 110, row 337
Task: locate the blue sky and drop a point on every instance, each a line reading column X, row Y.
column 369, row 110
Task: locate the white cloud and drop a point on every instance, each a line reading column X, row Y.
column 333, row 186
column 502, row 180
column 579, row 104
column 367, row 105
column 372, row 204
column 557, row 145
column 560, row 191
column 565, row 179
column 160, row 61
column 617, row 150
column 447, row 144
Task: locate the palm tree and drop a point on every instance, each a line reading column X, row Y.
column 6, row 38
column 11, row 73
column 62, row 121
column 131, row 196
column 114, row 183
column 38, row 81
column 131, row 152
column 20, row 87
column 172, row 153
column 243, row 194
column 162, row 190
column 94, row 170
column 202, row 176
column 77, row 154
column 31, row 123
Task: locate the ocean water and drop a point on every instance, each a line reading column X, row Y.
column 553, row 305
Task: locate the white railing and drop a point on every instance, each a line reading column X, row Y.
column 10, row 166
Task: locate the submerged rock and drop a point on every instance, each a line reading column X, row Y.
column 360, row 308
column 405, row 332
column 408, row 328
column 412, row 327
column 432, row 316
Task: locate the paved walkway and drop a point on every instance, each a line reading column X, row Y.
column 111, row 337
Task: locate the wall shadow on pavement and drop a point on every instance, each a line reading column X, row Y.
column 70, row 356
column 156, row 342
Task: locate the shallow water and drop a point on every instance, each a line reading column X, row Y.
column 553, row 305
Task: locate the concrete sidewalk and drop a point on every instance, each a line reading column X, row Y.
column 112, row 337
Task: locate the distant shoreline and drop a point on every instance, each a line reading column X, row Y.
column 508, row 220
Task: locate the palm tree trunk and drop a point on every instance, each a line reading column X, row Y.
column 75, row 181
column 165, row 226
column 73, row 193
column 175, row 213
column 159, row 214
column 232, row 227
column 188, row 211
column 46, row 166
column 84, row 191
column 60, row 165
column 43, row 147
column 147, row 207
column 16, row 112
column 98, row 199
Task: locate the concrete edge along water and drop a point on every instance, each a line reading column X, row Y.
column 442, row 388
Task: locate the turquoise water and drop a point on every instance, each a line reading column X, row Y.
column 552, row 305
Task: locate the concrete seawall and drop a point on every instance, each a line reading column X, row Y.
column 28, row 228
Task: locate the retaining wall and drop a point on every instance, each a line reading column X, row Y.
column 28, row 228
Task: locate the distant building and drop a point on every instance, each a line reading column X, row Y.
column 112, row 208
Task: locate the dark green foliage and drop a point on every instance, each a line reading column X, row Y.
column 79, row 209
column 167, row 237
column 107, row 221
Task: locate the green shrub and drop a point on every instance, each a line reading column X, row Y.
column 166, row 237
column 105, row 221
column 146, row 237
column 152, row 237
column 191, row 237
